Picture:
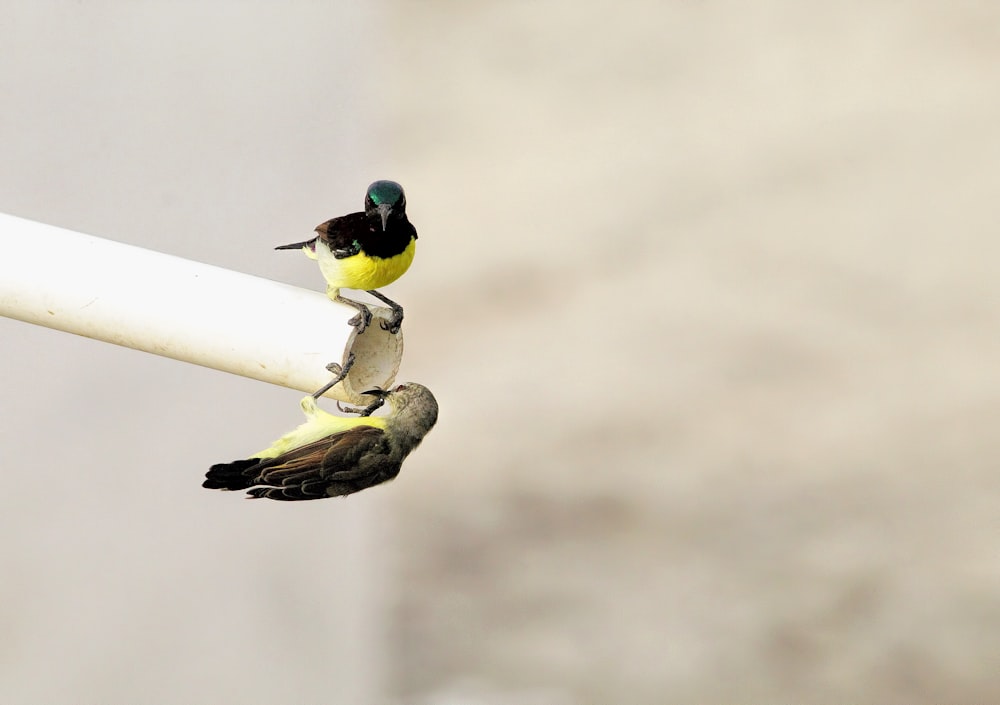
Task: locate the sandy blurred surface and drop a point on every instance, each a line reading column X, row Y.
column 709, row 295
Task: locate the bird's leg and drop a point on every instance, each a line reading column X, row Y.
column 338, row 374
column 397, row 313
column 373, row 406
column 362, row 411
column 364, row 316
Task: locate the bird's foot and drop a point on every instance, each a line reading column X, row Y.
column 343, row 408
column 339, row 372
column 362, row 320
column 362, row 410
column 393, row 324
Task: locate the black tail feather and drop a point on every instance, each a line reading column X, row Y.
column 237, row 475
column 296, row 245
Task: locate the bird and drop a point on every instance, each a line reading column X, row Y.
column 332, row 456
column 365, row 250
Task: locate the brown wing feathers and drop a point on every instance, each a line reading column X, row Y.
column 339, row 464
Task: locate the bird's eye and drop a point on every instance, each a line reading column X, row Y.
column 400, row 388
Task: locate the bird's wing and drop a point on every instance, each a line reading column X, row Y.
column 342, row 235
column 339, row 464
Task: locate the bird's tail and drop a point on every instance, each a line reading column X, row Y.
column 237, row 475
column 305, row 244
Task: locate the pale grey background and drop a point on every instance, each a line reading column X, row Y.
column 708, row 292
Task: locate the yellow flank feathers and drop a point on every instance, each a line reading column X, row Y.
column 318, row 424
column 362, row 271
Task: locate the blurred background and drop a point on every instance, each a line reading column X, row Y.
column 709, row 294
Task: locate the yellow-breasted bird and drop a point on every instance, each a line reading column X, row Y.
column 366, row 250
column 330, row 456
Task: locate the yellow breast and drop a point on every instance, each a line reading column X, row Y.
column 318, row 424
column 363, row 271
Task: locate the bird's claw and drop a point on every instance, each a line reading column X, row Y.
column 393, row 324
column 344, row 409
column 339, row 373
column 362, row 320
column 362, row 410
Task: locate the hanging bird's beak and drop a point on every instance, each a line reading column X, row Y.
column 384, row 209
column 380, row 393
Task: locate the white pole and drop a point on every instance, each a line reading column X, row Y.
column 188, row 310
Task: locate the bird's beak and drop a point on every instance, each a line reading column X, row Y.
column 384, row 209
column 380, row 393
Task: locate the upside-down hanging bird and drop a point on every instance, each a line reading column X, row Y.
column 330, row 456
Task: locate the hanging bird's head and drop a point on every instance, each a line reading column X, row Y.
column 386, row 200
column 412, row 404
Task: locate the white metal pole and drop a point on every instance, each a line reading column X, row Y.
column 188, row 310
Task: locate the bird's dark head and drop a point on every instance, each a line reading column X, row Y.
column 416, row 400
column 410, row 394
column 414, row 413
column 386, row 200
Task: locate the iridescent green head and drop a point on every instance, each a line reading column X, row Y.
column 387, row 200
